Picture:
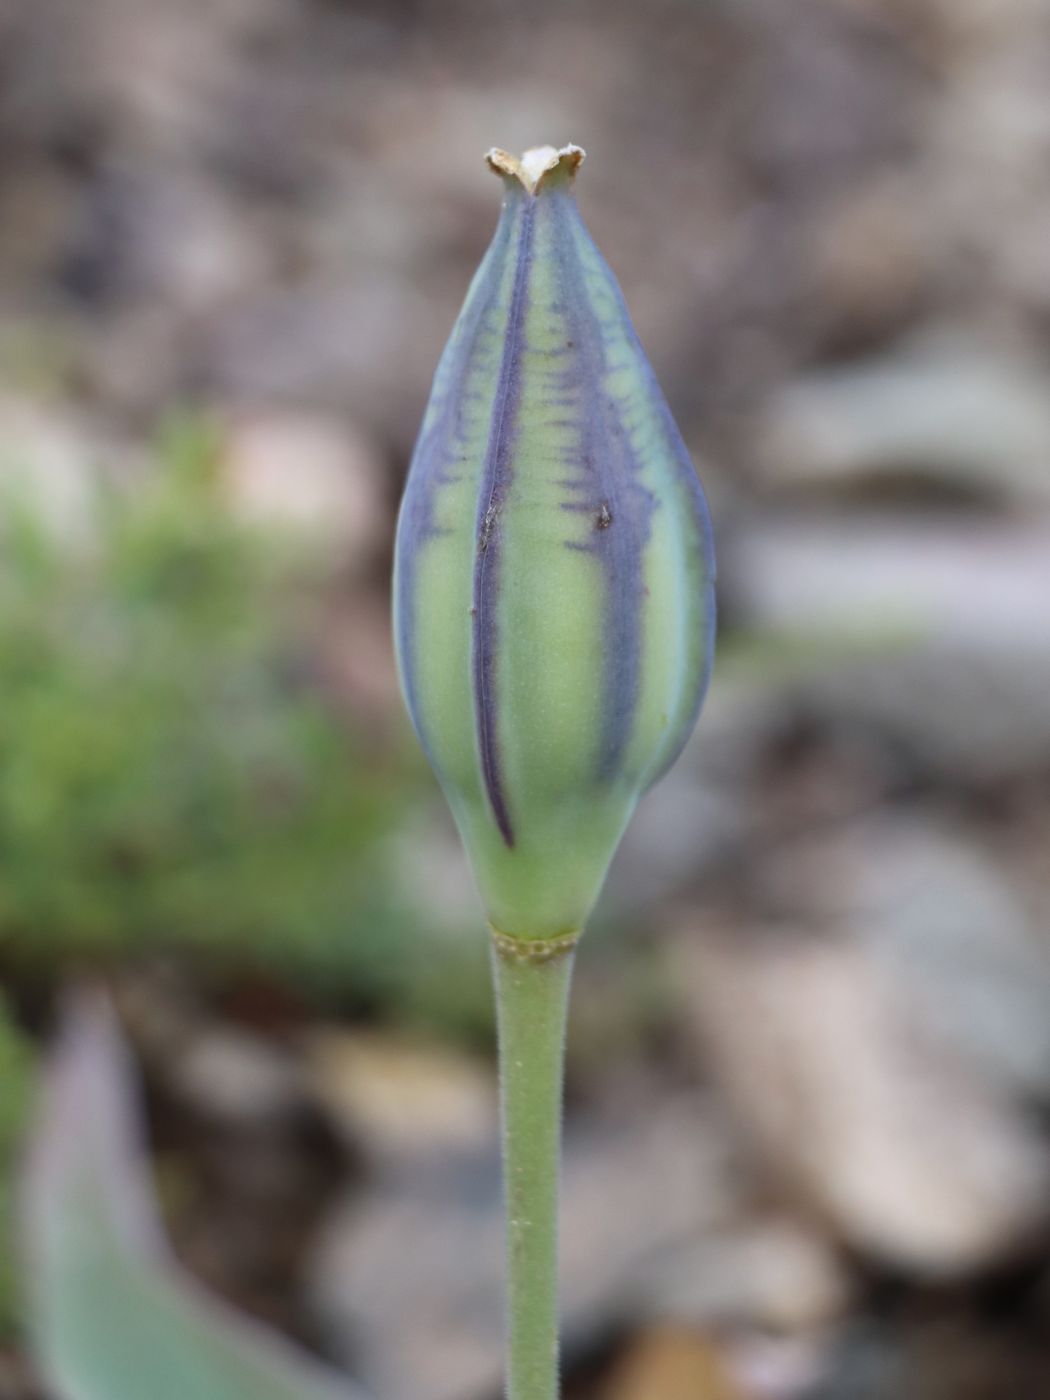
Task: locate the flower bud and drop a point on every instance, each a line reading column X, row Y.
column 554, row 572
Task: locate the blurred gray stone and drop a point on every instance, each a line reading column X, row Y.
column 931, row 634
column 949, row 922
column 953, row 928
column 965, row 417
column 311, row 476
column 771, row 1274
column 855, row 1107
column 891, row 580
column 238, row 1079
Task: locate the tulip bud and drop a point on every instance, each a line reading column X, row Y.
column 554, row 572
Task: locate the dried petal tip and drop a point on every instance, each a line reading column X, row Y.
column 536, row 163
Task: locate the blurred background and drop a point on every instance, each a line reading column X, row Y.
column 809, row 1079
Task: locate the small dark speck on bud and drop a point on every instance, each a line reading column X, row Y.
column 603, row 519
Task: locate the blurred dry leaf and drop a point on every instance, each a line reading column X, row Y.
column 671, row 1364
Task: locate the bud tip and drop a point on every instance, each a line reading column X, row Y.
column 537, row 162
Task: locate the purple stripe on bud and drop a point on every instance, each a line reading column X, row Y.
column 495, row 482
column 606, row 476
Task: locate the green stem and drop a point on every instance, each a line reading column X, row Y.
column 532, row 997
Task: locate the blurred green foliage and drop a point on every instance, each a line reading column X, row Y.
column 15, row 1088
column 168, row 774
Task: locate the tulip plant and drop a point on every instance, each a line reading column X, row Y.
column 554, row 622
column 554, row 618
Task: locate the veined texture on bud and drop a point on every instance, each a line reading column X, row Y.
column 554, row 573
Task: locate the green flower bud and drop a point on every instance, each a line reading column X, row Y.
column 554, row 572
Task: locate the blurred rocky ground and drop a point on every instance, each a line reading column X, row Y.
column 807, row 1119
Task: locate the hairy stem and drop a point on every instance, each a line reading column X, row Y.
column 532, row 995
